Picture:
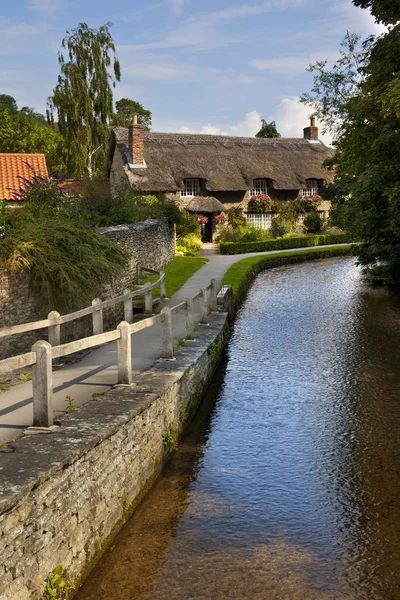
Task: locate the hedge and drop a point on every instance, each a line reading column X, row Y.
column 241, row 274
column 304, row 241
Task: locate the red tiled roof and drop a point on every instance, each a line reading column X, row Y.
column 14, row 165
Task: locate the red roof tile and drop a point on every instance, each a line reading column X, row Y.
column 14, row 165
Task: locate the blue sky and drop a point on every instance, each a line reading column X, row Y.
column 212, row 66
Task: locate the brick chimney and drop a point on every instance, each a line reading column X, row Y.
column 136, row 143
column 311, row 132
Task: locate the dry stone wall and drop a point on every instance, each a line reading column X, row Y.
column 64, row 495
column 150, row 243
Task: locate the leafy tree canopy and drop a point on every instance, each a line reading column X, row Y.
column 385, row 11
column 8, row 102
column 366, row 192
column 83, row 97
column 333, row 87
column 268, row 130
column 126, row 108
column 20, row 132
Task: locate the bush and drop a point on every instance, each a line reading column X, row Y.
column 313, row 222
column 68, row 261
column 188, row 245
column 283, row 244
column 281, row 226
column 236, row 218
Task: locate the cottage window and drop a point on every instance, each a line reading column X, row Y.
column 192, row 188
column 260, row 186
column 259, row 220
column 311, row 188
column 302, row 216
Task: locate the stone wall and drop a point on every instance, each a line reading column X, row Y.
column 64, row 495
column 150, row 243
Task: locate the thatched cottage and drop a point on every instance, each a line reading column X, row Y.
column 195, row 169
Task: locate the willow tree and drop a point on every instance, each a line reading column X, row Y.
column 83, row 97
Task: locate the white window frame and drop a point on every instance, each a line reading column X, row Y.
column 192, row 188
column 311, row 188
column 302, row 216
column 259, row 220
column 260, row 187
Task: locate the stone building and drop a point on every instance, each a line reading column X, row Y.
column 230, row 169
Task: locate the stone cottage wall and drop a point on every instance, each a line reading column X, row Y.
column 150, row 243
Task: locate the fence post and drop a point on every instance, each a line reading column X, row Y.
column 128, row 311
column 138, row 272
column 213, row 295
column 166, row 345
column 54, row 329
column 189, row 322
column 97, row 316
column 148, row 299
column 163, row 289
column 124, row 347
column 42, row 385
column 204, row 306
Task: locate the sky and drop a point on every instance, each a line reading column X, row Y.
column 202, row 66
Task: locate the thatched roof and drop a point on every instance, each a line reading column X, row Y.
column 202, row 204
column 223, row 163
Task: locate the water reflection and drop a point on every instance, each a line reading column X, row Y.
column 290, row 490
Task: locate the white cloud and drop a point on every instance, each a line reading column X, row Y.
column 47, row 8
column 292, row 65
column 292, row 116
column 176, row 5
column 247, row 127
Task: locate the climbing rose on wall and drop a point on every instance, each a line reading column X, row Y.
column 260, row 204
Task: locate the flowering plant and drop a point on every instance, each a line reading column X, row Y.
column 218, row 219
column 202, row 219
column 260, row 204
column 310, row 203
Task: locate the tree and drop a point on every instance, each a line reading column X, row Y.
column 366, row 192
column 23, row 133
column 268, row 130
column 126, row 108
column 8, row 102
column 332, row 88
column 385, row 11
column 83, row 97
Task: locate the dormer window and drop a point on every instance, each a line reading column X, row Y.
column 311, row 188
column 191, row 189
column 260, row 186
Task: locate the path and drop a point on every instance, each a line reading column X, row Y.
column 97, row 371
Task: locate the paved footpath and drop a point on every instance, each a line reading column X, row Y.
column 97, row 371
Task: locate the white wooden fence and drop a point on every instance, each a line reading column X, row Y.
column 42, row 352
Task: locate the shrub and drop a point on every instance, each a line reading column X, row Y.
column 312, row 222
column 283, row 244
column 260, row 204
column 68, row 261
column 188, row 245
column 236, row 218
column 281, row 226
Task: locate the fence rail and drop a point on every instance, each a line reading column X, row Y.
column 43, row 352
column 55, row 320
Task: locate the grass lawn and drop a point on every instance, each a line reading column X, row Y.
column 177, row 273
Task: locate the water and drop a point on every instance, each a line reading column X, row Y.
column 287, row 485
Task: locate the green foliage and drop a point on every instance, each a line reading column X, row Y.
column 68, row 261
column 313, row 222
column 71, row 406
column 186, row 223
column 25, row 377
column 281, row 226
column 235, row 217
column 55, row 584
column 171, row 440
column 8, row 102
column 268, row 130
column 126, row 108
column 244, row 234
column 366, row 191
column 83, row 98
column 188, row 245
column 385, row 11
column 332, row 88
column 22, row 133
column 285, row 243
column 126, row 503
column 241, row 274
column 261, row 203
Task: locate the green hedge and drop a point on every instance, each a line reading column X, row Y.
column 304, row 241
column 241, row 274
